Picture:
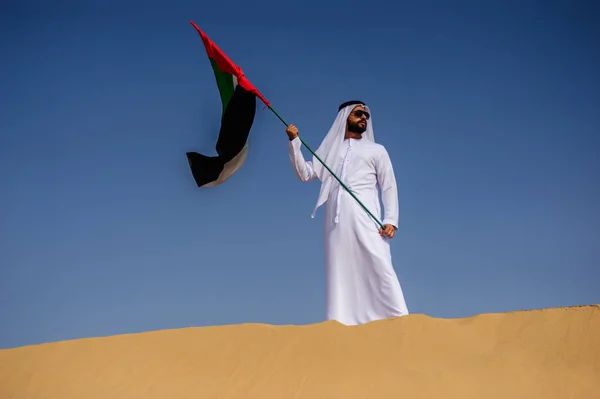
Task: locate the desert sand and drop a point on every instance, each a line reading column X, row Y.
column 548, row 353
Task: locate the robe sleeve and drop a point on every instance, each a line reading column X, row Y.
column 303, row 168
column 389, row 190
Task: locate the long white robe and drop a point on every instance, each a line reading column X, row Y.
column 362, row 284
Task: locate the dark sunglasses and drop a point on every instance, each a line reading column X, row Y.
column 360, row 113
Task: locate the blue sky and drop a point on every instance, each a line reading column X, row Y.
column 489, row 111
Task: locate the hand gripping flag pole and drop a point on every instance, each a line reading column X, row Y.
column 223, row 64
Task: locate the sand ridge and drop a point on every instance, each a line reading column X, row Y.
column 546, row 353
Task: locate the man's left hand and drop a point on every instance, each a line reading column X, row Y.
column 389, row 231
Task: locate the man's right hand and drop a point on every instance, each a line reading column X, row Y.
column 292, row 132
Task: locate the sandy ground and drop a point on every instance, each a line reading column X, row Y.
column 549, row 353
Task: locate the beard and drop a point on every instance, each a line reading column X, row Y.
column 355, row 128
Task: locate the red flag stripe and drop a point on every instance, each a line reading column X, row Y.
column 226, row 65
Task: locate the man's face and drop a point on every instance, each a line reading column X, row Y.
column 357, row 120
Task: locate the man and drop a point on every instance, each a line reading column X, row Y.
column 362, row 285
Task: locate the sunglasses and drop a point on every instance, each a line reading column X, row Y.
column 360, row 114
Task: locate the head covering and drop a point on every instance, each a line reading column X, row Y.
column 330, row 147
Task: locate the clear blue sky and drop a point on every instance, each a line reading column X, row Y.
column 490, row 112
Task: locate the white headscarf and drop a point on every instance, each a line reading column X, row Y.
column 330, row 147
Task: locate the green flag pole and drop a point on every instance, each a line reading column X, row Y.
column 330, row 171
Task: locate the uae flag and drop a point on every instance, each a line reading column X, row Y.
column 238, row 98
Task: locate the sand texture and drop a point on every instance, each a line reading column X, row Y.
column 548, row 353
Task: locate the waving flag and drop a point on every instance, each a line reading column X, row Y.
column 238, row 99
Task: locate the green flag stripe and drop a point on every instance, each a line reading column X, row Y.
column 225, row 83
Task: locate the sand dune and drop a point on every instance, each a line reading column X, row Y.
column 549, row 353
